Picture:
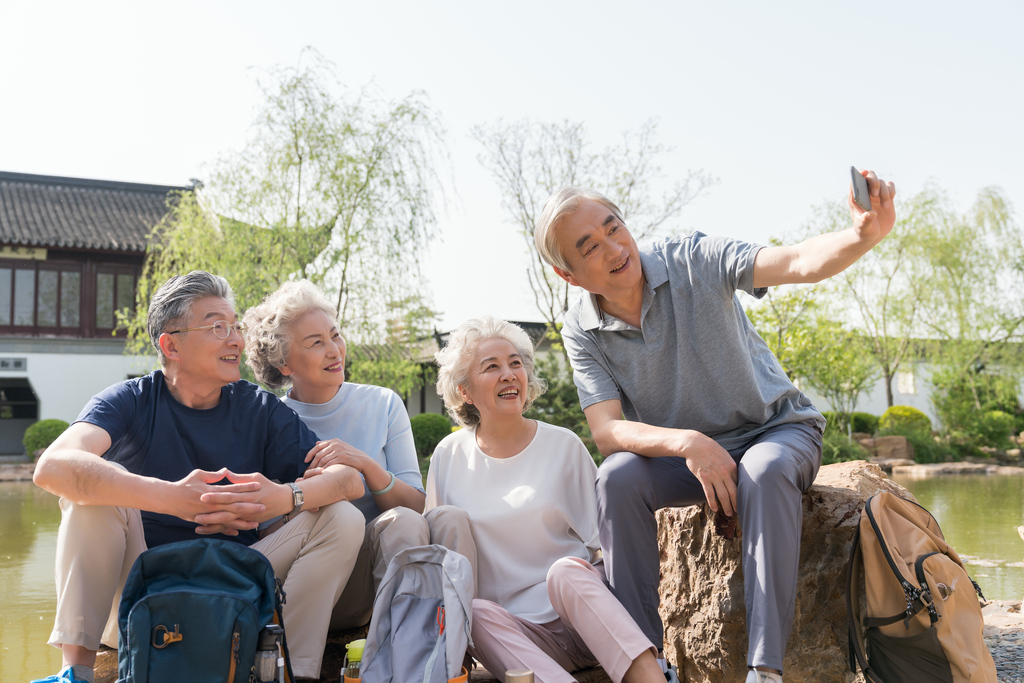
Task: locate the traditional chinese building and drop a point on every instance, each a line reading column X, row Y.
column 71, row 251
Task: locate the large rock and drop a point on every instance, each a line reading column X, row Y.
column 893, row 448
column 702, row 602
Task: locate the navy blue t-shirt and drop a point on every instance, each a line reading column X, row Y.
column 154, row 435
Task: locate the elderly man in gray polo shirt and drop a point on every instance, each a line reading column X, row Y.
column 687, row 401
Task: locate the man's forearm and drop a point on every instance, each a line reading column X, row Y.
column 832, row 253
column 87, row 479
column 640, row 438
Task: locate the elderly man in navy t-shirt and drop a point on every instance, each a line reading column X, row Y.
column 143, row 463
column 688, row 402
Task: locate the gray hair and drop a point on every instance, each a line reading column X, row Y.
column 559, row 205
column 268, row 328
column 172, row 304
column 455, row 358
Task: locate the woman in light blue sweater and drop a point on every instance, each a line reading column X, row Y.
column 293, row 338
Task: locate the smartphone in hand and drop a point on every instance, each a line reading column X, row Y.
column 860, row 189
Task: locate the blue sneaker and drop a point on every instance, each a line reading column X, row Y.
column 67, row 675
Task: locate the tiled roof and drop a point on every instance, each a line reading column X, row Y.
column 78, row 213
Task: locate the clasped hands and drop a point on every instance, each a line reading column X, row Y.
column 227, row 509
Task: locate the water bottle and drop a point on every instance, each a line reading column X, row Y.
column 519, row 676
column 269, row 662
column 353, row 659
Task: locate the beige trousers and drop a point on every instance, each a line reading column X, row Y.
column 313, row 554
column 387, row 534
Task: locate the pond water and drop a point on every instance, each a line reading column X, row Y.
column 979, row 516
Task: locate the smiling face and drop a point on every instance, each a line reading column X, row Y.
column 497, row 380
column 200, row 358
column 316, row 358
column 602, row 255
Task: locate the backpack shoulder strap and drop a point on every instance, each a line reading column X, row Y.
column 856, row 655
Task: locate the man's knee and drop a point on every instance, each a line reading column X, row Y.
column 622, row 476
column 343, row 519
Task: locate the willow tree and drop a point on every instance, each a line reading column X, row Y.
column 977, row 313
column 530, row 160
column 334, row 187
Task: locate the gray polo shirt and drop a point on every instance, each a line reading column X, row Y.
column 696, row 363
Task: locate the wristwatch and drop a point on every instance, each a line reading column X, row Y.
column 297, row 500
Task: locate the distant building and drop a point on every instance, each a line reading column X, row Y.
column 71, row 251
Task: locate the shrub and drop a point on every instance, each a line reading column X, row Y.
column 427, row 431
column 994, row 428
column 904, row 420
column 41, row 434
column 837, row 447
column 865, row 423
column 927, row 449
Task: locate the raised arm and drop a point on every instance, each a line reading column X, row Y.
column 709, row 462
column 823, row 256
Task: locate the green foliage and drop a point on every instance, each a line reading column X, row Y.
column 837, row 447
column 560, row 404
column 962, row 400
column 427, row 431
column 336, row 189
column 41, row 434
column 927, row 449
column 865, row 423
column 994, row 429
column 904, row 421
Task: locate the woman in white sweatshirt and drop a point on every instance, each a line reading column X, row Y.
column 526, row 492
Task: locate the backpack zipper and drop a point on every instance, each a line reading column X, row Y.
column 236, row 638
column 910, row 592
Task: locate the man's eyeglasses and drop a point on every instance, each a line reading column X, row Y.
column 221, row 329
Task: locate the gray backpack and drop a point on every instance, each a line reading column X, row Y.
column 422, row 619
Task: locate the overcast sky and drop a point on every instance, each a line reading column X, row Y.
column 776, row 100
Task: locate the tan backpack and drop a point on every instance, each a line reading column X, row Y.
column 923, row 620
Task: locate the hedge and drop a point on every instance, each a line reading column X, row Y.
column 41, row 434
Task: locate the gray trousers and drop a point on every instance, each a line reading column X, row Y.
column 774, row 471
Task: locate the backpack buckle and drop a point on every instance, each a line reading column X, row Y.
column 168, row 637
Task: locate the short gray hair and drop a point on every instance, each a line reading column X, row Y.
column 455, row 358
column 268, row 328
column 172, row 304
column 559, row 205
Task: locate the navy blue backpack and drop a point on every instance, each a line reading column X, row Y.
column 192, row 611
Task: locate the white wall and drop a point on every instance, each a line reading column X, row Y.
column 65, row 374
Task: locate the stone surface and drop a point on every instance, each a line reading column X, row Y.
column 931, row 469
column 17, row 472
column 702, row 601
column 886, row 465
column 894, row 448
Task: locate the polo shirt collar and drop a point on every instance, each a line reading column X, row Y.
column 655, row 275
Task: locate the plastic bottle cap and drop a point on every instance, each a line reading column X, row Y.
column 355, row 650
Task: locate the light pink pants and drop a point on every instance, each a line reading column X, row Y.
column 592, row 628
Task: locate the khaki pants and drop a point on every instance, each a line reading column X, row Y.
column 313, row 554
column 392, row 531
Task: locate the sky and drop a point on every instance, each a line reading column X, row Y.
column 775, row 100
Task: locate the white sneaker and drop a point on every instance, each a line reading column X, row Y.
column 671, row 676
column 758, row 676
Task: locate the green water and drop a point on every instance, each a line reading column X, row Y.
column 28, row 542
column 979, row 515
